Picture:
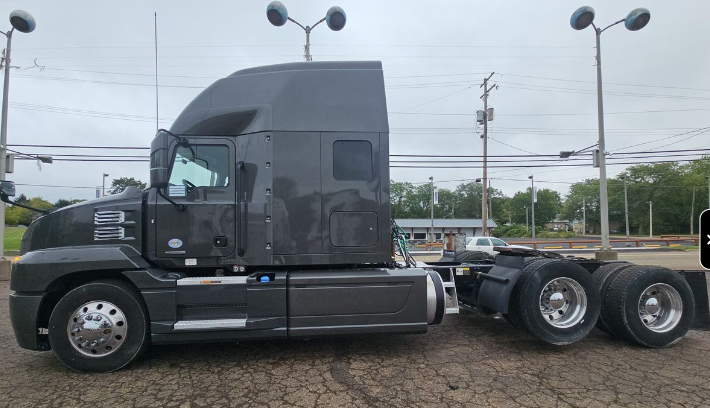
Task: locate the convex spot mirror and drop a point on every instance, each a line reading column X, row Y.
column 7, row 188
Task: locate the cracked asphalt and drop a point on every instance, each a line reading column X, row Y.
column 468, row 361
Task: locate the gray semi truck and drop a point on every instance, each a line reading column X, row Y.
column 268, row 216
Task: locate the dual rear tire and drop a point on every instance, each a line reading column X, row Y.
column 559, row 302
column 647, row 305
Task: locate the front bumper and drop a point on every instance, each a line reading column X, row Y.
column 24, row 316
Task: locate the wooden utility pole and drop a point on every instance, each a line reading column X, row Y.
column 484, row 204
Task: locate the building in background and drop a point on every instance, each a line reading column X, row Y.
column 417, row 228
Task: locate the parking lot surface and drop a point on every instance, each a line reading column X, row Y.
column 467, row 361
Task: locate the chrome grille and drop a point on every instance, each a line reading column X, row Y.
column 109, row 217
column 104, row 233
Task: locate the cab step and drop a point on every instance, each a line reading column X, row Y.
column 216, row 324
column 450, row 289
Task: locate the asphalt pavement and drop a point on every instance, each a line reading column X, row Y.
column 468, row 361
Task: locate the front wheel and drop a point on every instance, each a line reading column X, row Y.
column 99, row 327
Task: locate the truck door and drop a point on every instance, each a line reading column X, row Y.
column 202, row 182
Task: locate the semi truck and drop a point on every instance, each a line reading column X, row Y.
column 268, row 217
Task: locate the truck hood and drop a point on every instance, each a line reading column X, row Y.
column 107, row 220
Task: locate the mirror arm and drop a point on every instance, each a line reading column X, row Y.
column 7, row 200
column 181, row 140
column 179, row 207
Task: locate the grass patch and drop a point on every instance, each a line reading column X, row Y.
column 13, row 236
column 685, row 248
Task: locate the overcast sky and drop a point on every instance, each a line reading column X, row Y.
column 97, row 85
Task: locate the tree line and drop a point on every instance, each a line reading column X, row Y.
column 15, row 215
column 669, row 186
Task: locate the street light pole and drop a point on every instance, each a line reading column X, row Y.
column 532, row 191
column 103, row 185
column 650, row 219
column 626, row 208
column 431, row 180
column 584, row 216
column 278, row 15
column 581, row 19
column 23, row 22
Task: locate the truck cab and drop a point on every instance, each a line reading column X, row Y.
column 267, row 216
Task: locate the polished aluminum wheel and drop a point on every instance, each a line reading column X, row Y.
column 563, row 302
column 660, row 307
column 97, row 328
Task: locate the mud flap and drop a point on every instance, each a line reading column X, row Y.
column 698, row 284
column 495, row 294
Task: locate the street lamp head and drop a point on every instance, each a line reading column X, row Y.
column 566, row 154
column 530, row 177
column 276, row 13
column 22, row 21
column 637, row 19
column 582, row 18
column 335, row 18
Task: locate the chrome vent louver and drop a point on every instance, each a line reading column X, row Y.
column 104, row 233
column 109, row 217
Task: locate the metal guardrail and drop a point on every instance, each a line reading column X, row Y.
column 644, row 242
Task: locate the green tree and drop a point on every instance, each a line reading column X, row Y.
column 62, row 202
column 547, row 207
column 22, row 216
column 120, row 184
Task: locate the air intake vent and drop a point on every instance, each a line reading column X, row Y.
column 109, row 217
column 104, row 233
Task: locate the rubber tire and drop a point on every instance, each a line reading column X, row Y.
column 513, row 315
column 528, row 309
column 622, row 305
column 471, row 256
column 602, row 278
column 126, row 298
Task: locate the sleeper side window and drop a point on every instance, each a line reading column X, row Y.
column 352, row 160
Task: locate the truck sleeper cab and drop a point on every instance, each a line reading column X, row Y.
column 267, row 216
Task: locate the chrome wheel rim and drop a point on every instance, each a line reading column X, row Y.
column 563, row 302
column 97, row 328
column 660, row 307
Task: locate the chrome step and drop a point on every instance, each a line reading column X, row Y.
column 212, row 280
column 450, row 289
column 217, row 324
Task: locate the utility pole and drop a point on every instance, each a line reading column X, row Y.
column 692, row 213
column 431, row 180
column 484, row 213
column 527, row 223
column 584, row 216
column 650, row 219
column 626, row 208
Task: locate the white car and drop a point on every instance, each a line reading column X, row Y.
column 486, row 244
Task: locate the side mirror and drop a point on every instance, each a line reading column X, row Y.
column 159, row 161
column 7, row 189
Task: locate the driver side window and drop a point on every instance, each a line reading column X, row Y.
column 199, row 166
